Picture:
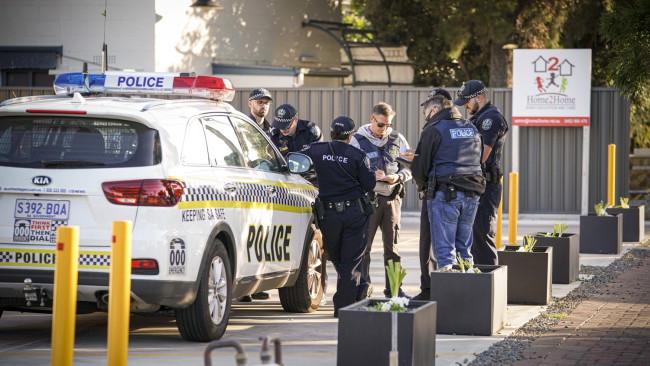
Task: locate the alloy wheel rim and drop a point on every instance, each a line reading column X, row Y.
column 217, row 290
column 314, row 262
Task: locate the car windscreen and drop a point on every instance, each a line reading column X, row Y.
column 64, row 142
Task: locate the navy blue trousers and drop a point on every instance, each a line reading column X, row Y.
column 484, row 249
column 344, row 238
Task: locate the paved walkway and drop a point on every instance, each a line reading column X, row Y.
column 612, row 328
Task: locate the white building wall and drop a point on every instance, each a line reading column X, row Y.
column 78, row 26
column 244, row 32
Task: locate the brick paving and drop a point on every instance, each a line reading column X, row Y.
column 611, row 328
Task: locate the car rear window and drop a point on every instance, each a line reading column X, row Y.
column 62, row 142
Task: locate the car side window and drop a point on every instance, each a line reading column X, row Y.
column 223, row 144
column 195, row 150
column 258, row 151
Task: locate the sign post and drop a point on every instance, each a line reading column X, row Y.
column 552, row 87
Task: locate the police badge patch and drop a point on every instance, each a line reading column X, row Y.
column 486, row 124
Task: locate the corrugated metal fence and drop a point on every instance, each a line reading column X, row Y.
column 550, row 157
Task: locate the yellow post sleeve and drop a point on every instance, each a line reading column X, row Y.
column 513, row 208
column 611, row 174
column 499, row 232
column 64, row 310
column 119, row 295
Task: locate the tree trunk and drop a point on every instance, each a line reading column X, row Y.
column 498, row 66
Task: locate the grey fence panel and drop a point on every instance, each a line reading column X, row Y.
column 550, row 157
column 610, row 123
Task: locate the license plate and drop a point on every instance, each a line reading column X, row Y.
column 42, row 209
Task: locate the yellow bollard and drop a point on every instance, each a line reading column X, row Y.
column 513, row 208
column 611, row 174
column 65, row 295
column 499, row 232
column 119, row 294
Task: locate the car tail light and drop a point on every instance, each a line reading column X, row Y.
column 145, row 192
column 144, row 266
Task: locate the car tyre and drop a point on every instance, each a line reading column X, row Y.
column 307, row 293
column 206, row 319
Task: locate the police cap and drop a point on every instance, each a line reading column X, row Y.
column 283, row 116
column 343, row 125
column 259, row 93
column 434, row 92
column 469, row 90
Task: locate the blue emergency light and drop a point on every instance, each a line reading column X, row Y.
column 211, row 87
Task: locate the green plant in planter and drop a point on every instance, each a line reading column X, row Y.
column 601, row 208
column 558, row 230
column 396, row 275
column 625, row 202
column 529, row 243
column 466, row 265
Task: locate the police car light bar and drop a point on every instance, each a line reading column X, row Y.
column 211, row 87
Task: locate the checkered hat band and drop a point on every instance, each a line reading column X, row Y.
column 475, row 94
column 283, row 119
column 257, row 95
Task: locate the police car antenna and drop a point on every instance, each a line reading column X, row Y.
column 104, row 46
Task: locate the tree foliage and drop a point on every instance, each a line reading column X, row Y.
column 454, row 40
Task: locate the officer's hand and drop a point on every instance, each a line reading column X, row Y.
column 391, row 178
column 379, row 174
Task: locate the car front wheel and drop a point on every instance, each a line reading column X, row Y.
column 206, row 319
column 307, row 293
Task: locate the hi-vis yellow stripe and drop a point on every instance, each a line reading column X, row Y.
column 243, row 204
column 270, row 182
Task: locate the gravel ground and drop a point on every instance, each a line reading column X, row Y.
column 511, row 348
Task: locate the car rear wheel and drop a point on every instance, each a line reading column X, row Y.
column 206, row 319
column 307, row 293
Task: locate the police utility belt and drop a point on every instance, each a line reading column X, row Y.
column 470, row 186
column 365, row 203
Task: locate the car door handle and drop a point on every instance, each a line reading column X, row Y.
column 230, row 188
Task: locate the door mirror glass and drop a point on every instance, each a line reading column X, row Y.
column 299, row 163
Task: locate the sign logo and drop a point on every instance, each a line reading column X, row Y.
column 551, row 77
column 41, row 180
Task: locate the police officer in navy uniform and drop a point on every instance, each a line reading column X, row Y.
column 344, row 180
column 291, row 134
column 493, row 129
column 447, row 165
column 259, row 103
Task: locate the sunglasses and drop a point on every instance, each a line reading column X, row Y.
column 381, row 124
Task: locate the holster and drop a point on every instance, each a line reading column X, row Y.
column 318, row 210
column 368, row 204
column 492, row 174
column 431, row 188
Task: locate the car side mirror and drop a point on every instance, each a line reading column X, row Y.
column 299, row 163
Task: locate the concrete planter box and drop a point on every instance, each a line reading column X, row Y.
column 529, row 274
column 471, row 303
column 364, row 337
column 633, row 222
column 566, row 256
column 601, row 234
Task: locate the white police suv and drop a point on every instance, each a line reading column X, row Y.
column 216, row 212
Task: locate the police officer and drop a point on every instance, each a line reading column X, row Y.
column 291, row 134
column 383, row 145
column 493, row 129
column 427, row 261
column 259, row 103
column 448, row 163
column 344, row 180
